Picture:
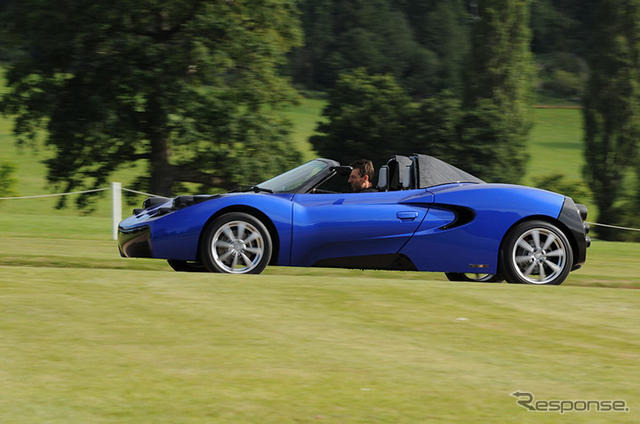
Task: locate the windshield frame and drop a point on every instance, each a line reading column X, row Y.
column 307, row 184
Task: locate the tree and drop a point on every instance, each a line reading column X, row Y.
column 344, row 35
column 7, row 180
column 612, row 108
column 442, row 26
column 466, row 138
column 498, row 84
column 368, row 116
column 189, row 86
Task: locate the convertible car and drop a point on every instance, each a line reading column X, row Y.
column 426, row 215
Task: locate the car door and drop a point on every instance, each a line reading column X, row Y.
column 353, row 226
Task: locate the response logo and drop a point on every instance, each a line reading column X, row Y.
column 528, row 401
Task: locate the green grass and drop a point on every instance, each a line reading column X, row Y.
column 556, row 141
column 305, row 117
column 93, row 344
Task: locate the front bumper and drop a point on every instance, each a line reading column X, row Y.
column 135, row 242
column 570, row 217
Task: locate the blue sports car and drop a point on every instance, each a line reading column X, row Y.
column 426, row 215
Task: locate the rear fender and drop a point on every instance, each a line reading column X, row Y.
column 474, row 246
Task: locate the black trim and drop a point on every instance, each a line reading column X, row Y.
column 135, row 243
column 582, row 209
column 570, row 217
column 184, row 201
column 150, row 202
column 393, row 261
column 463, row 214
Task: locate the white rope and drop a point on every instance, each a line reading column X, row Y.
column 55, row 194
column 143, row 193
column 613, row 226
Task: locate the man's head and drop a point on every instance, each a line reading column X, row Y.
column 361, row 175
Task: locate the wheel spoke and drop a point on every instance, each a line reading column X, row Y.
column 523, row 259
column 529, row 270
column 253, row 236
column 254, row 250
column 526, row 246
column 550, row 239
column 227, row 232
column 535, row 234
column 240, row 230
column 246, row 259
column 235, row 261
column 556, row 253
column 543, row 275
column 225, row 255
column 553, row 266
column 223, row 244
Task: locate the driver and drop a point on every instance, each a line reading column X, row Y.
column 361, row 176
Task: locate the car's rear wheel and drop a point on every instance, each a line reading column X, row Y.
column 479, row 278
column 186, row 266
column 536, row 252
column 236, row 243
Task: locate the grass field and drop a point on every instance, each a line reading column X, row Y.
column 87, row 336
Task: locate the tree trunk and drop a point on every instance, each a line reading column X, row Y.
column 161, row 172
column 161, row 178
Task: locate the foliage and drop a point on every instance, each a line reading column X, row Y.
column 471, row 139
column 498, row 84
column 7, row 178
column 464, row 138
column 367, row 116
column 421, row 44
column 192, row 87
column 559, row 183
column 562, row 76
column 612, row 109
column 435, row 127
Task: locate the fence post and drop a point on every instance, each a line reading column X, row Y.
column 116, row 203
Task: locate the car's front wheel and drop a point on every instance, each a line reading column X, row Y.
column 536, row 252
column 236, row 243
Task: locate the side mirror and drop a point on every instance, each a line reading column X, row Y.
column 342, row 170
column 383, row 177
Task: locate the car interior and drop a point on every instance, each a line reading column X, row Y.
column 399, row 173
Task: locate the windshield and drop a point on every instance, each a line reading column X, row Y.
column 292, row 180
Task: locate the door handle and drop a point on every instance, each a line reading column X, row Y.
column 407, row 215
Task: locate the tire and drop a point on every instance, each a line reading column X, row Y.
column 236, row 243
column 186, row 266
column 536, row 252
column 478, row 278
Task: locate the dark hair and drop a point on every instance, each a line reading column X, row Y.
column 364, row 167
